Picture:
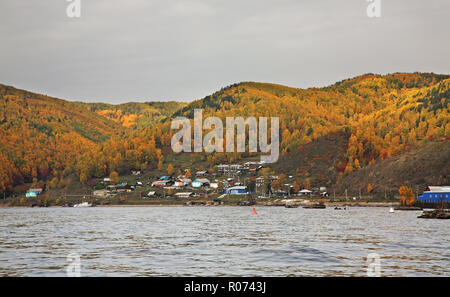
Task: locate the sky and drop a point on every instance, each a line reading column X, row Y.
column 157, row 50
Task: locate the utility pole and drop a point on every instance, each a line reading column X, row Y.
column 346, row 195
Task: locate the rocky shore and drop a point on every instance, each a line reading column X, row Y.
column 435, row 214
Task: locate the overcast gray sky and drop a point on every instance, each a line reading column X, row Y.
column 143, row 50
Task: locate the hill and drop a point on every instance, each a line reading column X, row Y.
column 135, row 114
column 43, row 137
column 332, row 135
column 428, row 165
column 329, row 133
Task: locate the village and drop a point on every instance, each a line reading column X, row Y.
column 250, row 183
column 228, row 180
column 236, row 184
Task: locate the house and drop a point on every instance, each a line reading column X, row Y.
column 225, row 168
column 305, row 192
column 183, row 195
column 162, row 183
column 119, row 187
column 200, row 182
column 214, row 185
column 185, row 181
column 165, row 177
column 280, row 194
column 179, row 183
column 435, row 194
column 102, row 193
column 259, row 181
column 255, row 168
column 135, row 172
column 237, row 190
column 152, row 194
column 106, row 180
column 201, row 173
column 324, row 194
column 273, row 178
column 33, row 193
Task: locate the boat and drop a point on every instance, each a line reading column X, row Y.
column 391, row 210
column 318, row 206
column 408, row 208
column 83, row 204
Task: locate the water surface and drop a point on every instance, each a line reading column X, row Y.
column 221, row 241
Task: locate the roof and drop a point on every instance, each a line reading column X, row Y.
column 438, row 189
column 237, row 188
column 35, row 190
column 183, row 194
column 161, row 182
column 305, row 191
column 202, row 180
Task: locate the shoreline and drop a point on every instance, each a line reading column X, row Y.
column 258, row 204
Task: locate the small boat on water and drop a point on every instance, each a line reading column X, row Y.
column 415, row 208
column 317, row 206
column 83, row 204
column 391, row 210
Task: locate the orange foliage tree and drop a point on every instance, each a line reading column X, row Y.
column 406, row 195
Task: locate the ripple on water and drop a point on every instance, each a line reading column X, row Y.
column 221, row 241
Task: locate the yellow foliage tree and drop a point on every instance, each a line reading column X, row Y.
column 170, row 169
column 406, row 195
column 114, row 177
column 160, row 164
column 83, row 177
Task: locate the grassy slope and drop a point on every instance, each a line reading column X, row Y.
column 428, row 165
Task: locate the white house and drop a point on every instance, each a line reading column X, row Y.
column 305, row 192
column 183, row 195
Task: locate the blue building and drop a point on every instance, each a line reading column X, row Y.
column 237, row 190
column 435, row 194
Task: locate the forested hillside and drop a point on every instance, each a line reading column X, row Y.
column 327, row 134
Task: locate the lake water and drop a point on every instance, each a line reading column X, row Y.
column 221, row 241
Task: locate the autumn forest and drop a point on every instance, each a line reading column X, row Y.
column 370, row 119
